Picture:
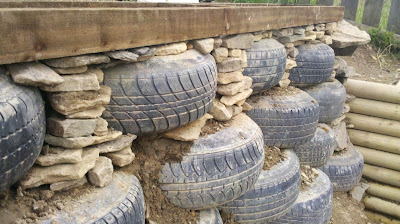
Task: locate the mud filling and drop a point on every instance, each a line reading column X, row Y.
column 228, row 218
column 273, row 156
column 213, row 126
column 308, row 176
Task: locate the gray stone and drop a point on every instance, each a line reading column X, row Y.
column 294, row 52
column 38, row 176
column 289, row 45
column 101, row 174
column 150, row 53
column 75, row 82
column 217, row 42
column 234, row 88
column 230, row 65
column 59, row 156
column 122, row 55
column 171, row 49
column 220, row 54
column 283, row 32
column 341, row 136
column 309, row 28
column 239, row 41
column 101, row 127
column 188, row 132
column 34, row 74
column 358, row 191
column 291, row 39
column 77, row 61
column 234, row 109
column 72, row 102
column 230, row 77
column 110, row 136
column 69, row 184
column 243, row 59
column 219, row 111
column 320, row 27
column 205, row 46
column 69, row 143
column 69, row 128
column 72, row 70
column 87, row 114
column 117, row 144
column 299, row 30
column 348, row 35
column 140, row 50
column 121, row 158
column 230, row 100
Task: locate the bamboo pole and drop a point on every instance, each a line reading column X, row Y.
column 382, row 206
column 375, row 108
column 378, row 218
column 380, row 158
column 375, row 124
column 373, row 91
column 375, row 141
column 382, row 175
column 384, row 191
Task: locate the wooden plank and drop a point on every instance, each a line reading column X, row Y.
column 394, row 17
column 372, row 12
column 350, row 11
column 35, row 34
column 325, row 2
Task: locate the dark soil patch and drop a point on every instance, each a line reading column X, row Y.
column 213, row 126
column 308, row 176
column 273, row 156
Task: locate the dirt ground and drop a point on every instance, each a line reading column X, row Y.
column 347, row 210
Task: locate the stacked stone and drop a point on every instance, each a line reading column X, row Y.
column 78, row 139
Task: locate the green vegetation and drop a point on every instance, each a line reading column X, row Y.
column 385, row 42
column 384, row 16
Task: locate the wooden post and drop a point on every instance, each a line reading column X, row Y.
column 382, row 206
column 325, row 2
column 394, row 17
column 375, row 124
column 375, row 108
column 384, row 191
column 375, row 141
column 373, row 91
column 350, row 11
column 372, row 12
column 380, row 158
column 382, row 175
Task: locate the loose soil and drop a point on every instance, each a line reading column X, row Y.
column 213, row 126
column 273, row 156
column 308, row 176
column 347, row 210
column 228, row 218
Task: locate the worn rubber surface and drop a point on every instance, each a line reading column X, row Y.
column 331, row 97
column 314, row 204
column 273, row 194
column 287, row 120
column 210, row 216
column 314, row 65
column 317, row 152
column 345, row 170
column 161, row 93
column 22, row 129
column 266, row 62
column 219, row 168
column 120, row 202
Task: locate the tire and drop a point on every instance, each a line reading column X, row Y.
column 266, row 63
column 331, row 97
column 120, row 202
column 345, row 170
column 272, row 196
column 219, row 167
column 22, row 129
column 314, row 65
column 210, row 216
column 161, row 93
column 314, row 204
column 286, row 119
column 317, row 152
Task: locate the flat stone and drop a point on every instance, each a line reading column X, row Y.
column 299, row 42
column 246, row 107
column 294, row 52
column 327, row 40
column 258, row 37
column 69, row 143
column 122, row 55
column 69, row 184
column 320, row 27
column 236, row 53
column 72, row 102
column 289, row 45
column 72, row 70
column 243, row 59
column 318, row 34
column 290, row 64
column 348, row 35
column 101, row 128
column 310, row 37
column 230, row 65
column 239, row 41
column 99, row 73
column 267, row 34
column 69, row 128
column 219, row 111
column 146, row 56
column 234, row 110
column 59, row 156
column 240, row 103
column 230, row 100
column 220, row 54
column 140, row 51
column 110, row 136
column 171, row 49
column 309, row 27
column 331, row 26
column 117, row 144
column 121, row 158
column 341, row 136
column 299, row 30
column 38, row 175
column 284, row 83
column 205, row 46
column 34, row 74
column 188, row 132
column 101, row 174
column 77, row 61
column 283, row 32
column 291, row 38
column 358, row 191
column 75, row 82
column 87, row 114
column 285, row 75
column 236, row 87
column 217, row 42
column 230, row 77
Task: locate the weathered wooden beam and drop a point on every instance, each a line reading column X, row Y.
column 374, row 124
column 373, row 91
column 384, row 191
column 375, row 108
column 382, row 206
column 375, row 141
column 372, row 12
column 380, row 158
column 382, row 175
column 30, row 34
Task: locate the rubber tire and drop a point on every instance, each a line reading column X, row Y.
column 286, row 120
column 317, row 152
column 22, row 129
column 272, row 196
column 266, row 63
column 314, row 65
column 345, row 170
column 210, row 216
column 161, row 93
column 219, row 168
column 331, row 97
column 314, row 204
column 120, row 202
